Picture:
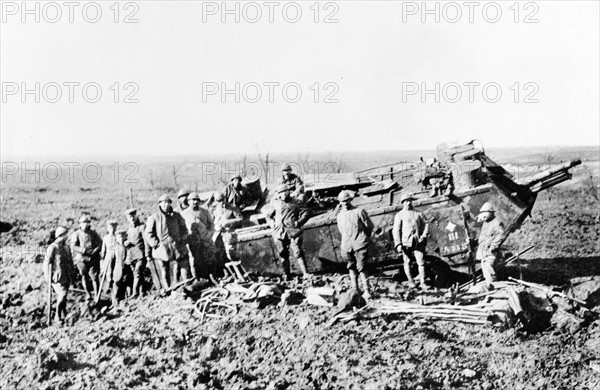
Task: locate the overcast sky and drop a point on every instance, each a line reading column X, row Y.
column 371, row 65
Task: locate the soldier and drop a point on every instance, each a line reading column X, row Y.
column 490, row 239
column 288, row 219
column 137, row 251
column 109, row 247
column 120, row 272
column 226, row 218
column 236, row 194
column 293, row 182
column 85, row 247
column 201, row 227
column 182, row 200
column 355, row 227
column 167, row 235
column 59, row 257
column 410, row 238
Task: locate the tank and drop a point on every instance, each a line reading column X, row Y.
column 450, row 189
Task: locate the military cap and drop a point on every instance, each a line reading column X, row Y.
column 286, row 168
column 193, row 195
column 60, row 231
column 182, row 192
column 487, row 207
column 236, row 177
column 112, row 222
column 85, row 218
column 407, row 196
column 131, row 211
column 164, row 198
column 345, row 196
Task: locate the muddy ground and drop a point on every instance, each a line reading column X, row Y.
column 161, row 343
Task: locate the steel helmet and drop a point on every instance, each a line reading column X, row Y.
column 407, row 196
column 182, row 192
column 286, row 168
column 345, row 196
column 487, row 207
column 193, row 195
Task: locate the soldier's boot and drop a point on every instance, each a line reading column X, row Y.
column 135, row 288
column 353, row 280
column 411, row 281
column 422, row 284
column 302, row 265
column 365, row 284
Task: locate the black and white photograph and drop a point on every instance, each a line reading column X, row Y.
column 293, row 195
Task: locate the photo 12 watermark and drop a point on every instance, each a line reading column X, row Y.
column 489, row 12
column 269, row 92
column 270, row 12
column 69, row 12
column 68, row 172
column 69, row 92
column 469, row 92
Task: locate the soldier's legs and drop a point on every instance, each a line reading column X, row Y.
column 406, row 256
column 489, row 273
column 350, row 260
column 420, row 259
column 138, row 275
column 209, row 257
column 283, row 250
column 83, row 268
column 298, row 251
column 183, row 269
column 61, row 291
column 361, row 256
column 165, row 273
column 93, row 272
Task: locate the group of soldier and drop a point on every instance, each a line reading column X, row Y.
column 181, row 242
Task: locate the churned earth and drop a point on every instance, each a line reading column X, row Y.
column 161, row 343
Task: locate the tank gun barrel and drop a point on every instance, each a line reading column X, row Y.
column 550, row 177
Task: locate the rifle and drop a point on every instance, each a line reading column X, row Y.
column 50, row 269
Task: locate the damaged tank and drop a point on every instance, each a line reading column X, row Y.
column 450, row 189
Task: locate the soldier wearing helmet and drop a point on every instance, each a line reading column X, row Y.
column 490, row 239
column 201, row 227
column 236, row 193
column 59, row 270
column 287, row 220
column 292, row 181
column 355, row 227
column 182, row 200
column 410, row 237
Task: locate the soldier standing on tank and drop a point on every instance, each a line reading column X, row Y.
column 355, row 227
column 490, row 239
column 58, row 258
column 85, row 248
column 410, row 238
column 288, row 218
column 294, row 183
